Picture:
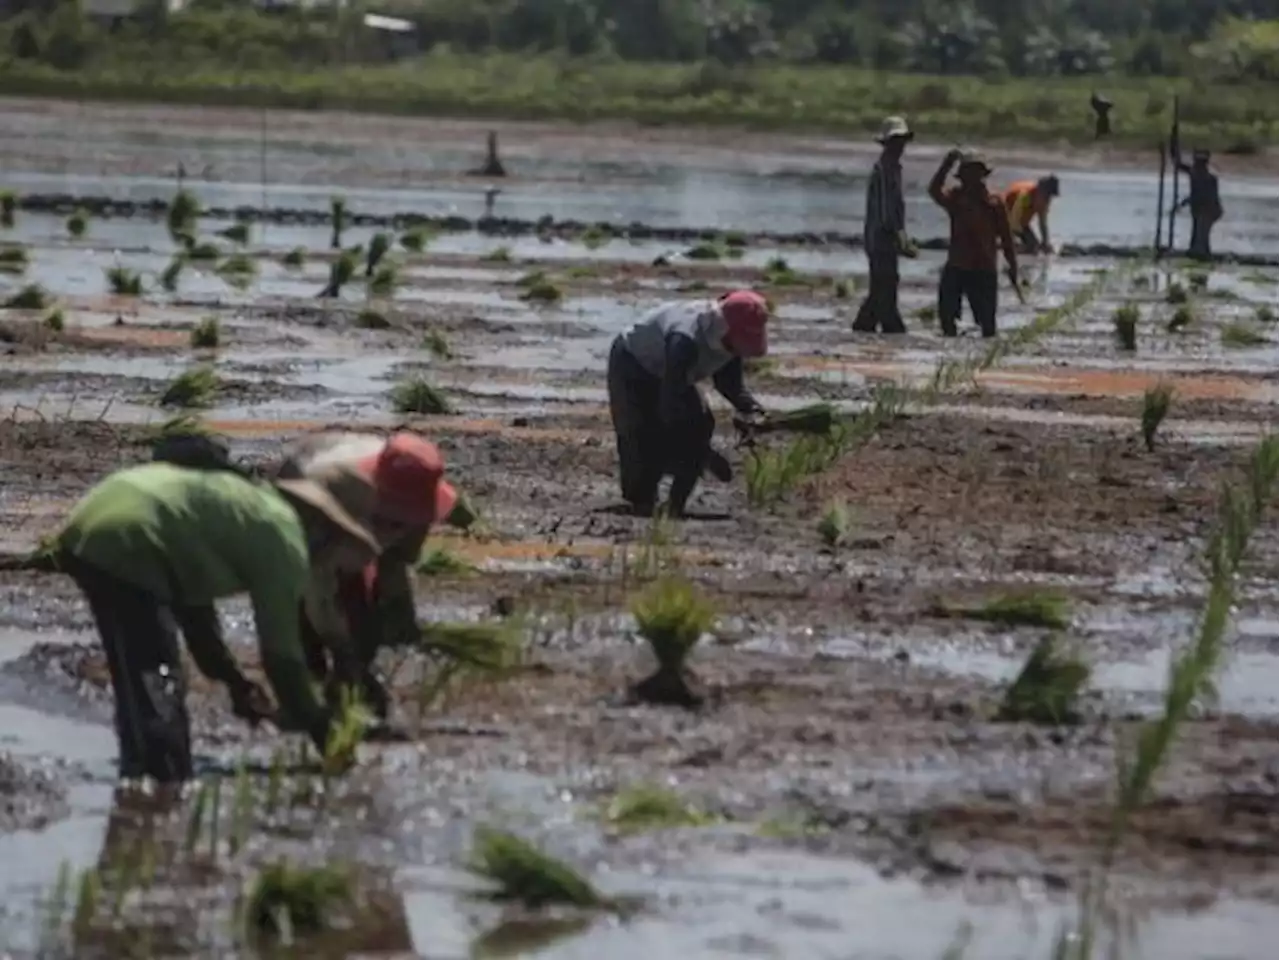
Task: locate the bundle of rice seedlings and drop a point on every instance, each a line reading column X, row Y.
column 236, row 233
column 523, row 873
column 1155, row 407
column 416, row 240
column 295, row 257
column 778, row 273
column 1125, row 321
column 383, row 282
column 203, row 251
column 596, row 236
column 419, row 396
column 238, row 270
column 124, row 282
column 705, row 250
column 1182, row 318
column 192, row 388
column 340, row 273
column 207, row 333
column 652, row 808
column 349, row 728
column 1048, row 688
column 1237, row 333
column 441, row 562
column 378, row 248
column 833, row 528
column 370, row 319
column 78, row 223
column 485, row 647
column 286, row 901
column 497, row 255
column 184, row 210
column 13, row 259
column 55, row 321
column 1264, row 314
column 672, row 616
column 436, row 342
column 30, row 297
column 8, row 207
column 464, row 514
column 1028, row 608
column 542, row 290
column 1176, row 293
column 172, row 272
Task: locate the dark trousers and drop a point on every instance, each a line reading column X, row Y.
column 140, row 636
column 979, row 288
column 648, row 451
column 1200, row 230
column 880, row 308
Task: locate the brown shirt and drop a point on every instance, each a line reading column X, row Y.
column 979, row 228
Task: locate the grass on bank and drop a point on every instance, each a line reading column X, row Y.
column 1240, row 118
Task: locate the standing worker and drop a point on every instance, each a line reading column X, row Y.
column 979, row 225
column 884, row 232
column 661, row 418
column 1204, row 201
column 1027, row 200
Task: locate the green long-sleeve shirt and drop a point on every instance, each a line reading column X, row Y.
column 194, row 536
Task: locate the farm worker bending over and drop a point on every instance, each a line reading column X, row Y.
column 152, row 547
column 661, row 418
column 978, row 227
column 377, row 607
column 1030, row 199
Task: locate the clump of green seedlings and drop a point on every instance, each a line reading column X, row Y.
column 1047, row 689
column 735, row 240
column 834, row 526
column 370, row 319
column 55, row 322
column 172, row 273
column 705, row 250
column 672, row 616
column 1198, row 281
column 287, row 901
column 204, row 251
column 497, row 255
column 1237, row 333
column 1176, row 293
column 206, row 334
column 1264, row 314
column 442, row 562
column 484, row 647
column 437, row 343
column 340, row 273
column 8, row 207
column 464, row 514
column 416, row 240
column 538, row 288
column 236, row 233
column 1155, row 407
column 184, row 211
column 295, row 258
column 30, row 297
column 645, row 807
column 384, row 280
column 1027, row 608
column 124, row 282
column 597, row 236
column 1182, row 318
column 192, row 388
column 353, row 721
column 844, row 289
column 1125, row 321
column 238, row 270
column 378, row 247
column 418, row 395
column 338, row 218
column 13, row 259
column 524, row 874
column 78, row 223
column 778, row 273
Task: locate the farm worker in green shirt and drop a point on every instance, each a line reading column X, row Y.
column 151, row 548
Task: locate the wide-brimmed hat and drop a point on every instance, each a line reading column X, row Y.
column 337, row 499
column 894, row 128
column 746, row 315
column 407, row 478
column 972, row 158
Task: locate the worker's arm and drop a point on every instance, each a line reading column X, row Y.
column 208, row 648
column 1043, row 217
column 730, row 383
column 939, row 180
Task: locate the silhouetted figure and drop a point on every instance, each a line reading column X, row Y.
column 1204, row 201
column 492, row 165
column 1102, row 115
column 490, row 195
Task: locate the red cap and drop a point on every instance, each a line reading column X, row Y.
column 746, row 313
column 407, row 475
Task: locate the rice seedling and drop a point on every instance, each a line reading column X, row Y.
column 735, row 239
column 417, row 395
column 206, row 334
column 597, row 236
column 55, row 322
column 1125, row 322
column 1264, row 314
column 13, row 259
column 378, row 247
column 497, row 255
column 416, row 240
column 340, row 273
column 238, row 270
column 1047, row 689
column 236, row 233
column 1028, row 608
column 8, row 207
column 927, row 314
column 295, row 258
column 338, row 218
column 55, row 911
column 30, row 297
column 706, row 250
column 833, row 528
column 1176, row 293
column 383, row 283
column 1198, row 280
column 436, row 342
column 124, row 282
column 523, row 873
column 78, row 223
column 193, row 388
column 644, row 807
column 1237, row 333
column 778, row 273
column 206, row 251
column 370, row 319
column 482, row 647
column 349, row 728
column 171, row 273
column 672, row 616
column 183, row 425
column 87, row 898
column 844, row 289
column 442, row 562
column 286, row 901
column 1182, row 318
column 1155, row 407
column 542, row 290
column 184, row 211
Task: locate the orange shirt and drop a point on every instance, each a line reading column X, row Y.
column 1023, row 203
column 979, row 226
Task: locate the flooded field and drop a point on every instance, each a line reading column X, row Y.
column 856, row 797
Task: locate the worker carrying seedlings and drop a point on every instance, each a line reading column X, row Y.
column 376, row 603
column 662, row 421
column 1204, row 201
column 152, row 547
column 884, row 232
column 978, row 227
column 1028, row 200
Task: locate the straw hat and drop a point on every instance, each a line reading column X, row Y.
column 894, row 128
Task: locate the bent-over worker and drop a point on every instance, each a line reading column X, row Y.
column 1028, row 200
column 662, row 421
column 978, row 226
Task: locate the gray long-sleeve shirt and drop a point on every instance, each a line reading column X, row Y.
column 886, row 212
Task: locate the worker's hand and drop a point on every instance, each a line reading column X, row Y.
column 907, row 246
column 1046, row 248
column 953, row 156
column 250, row 703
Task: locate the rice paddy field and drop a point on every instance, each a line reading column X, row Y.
column 854, row 782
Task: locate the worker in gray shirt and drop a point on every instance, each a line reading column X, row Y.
column 884, row 232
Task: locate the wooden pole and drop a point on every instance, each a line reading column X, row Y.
column 1175, row 157
column 1159, row 247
